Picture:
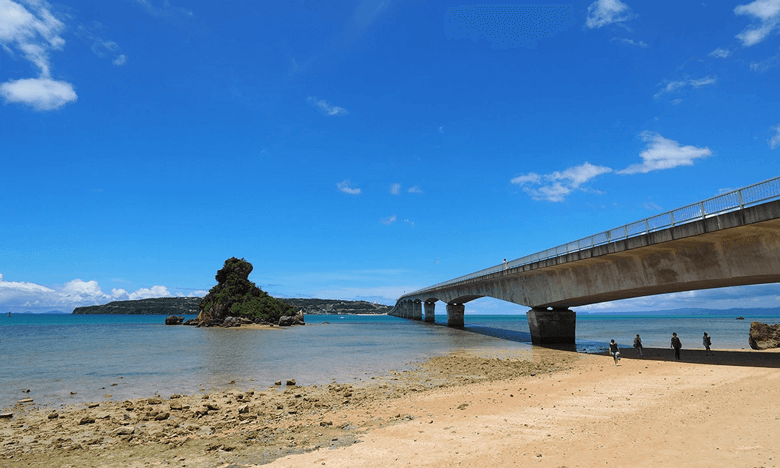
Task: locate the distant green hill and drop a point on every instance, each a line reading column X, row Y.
column 189, row 306
column 157, row 306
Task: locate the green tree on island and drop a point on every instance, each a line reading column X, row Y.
column 236, row 296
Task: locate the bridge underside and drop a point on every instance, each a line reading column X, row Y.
column 733, row 249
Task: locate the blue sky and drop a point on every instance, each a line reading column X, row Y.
column 363, row 148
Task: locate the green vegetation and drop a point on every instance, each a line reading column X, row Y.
column 236, row 296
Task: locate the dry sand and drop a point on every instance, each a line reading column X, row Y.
column 545, row 408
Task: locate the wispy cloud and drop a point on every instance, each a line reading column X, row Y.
column 327, row 108
column 415, row 189
column 720, row 53
column 629, row 42
column 409, row 222
column 766, row 18
column 605, row 12
column 663, row 153
column 389, row 220
column 346, row 187
column 100, row 46
column 676, row 102
column 165, row 10
column 33, row 32
column 395, row 189
column 766, row 65
column 676, row 86
column 774, row 142
column 24, row 296
column 557, row 186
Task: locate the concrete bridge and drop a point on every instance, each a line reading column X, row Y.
column 729, row 240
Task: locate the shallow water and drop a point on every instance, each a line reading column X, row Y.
column 54, row 355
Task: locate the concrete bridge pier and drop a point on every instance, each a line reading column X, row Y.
column 416, row 310
column 408, row 309
column 556, row 326
column 455, row 315
column 404, row 306
column 430, row 312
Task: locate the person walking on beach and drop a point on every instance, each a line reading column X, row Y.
column 614, row 351
column 638, row 345
column 706, row 340
column 676, row 344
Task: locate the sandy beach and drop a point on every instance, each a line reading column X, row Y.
column 544, row 407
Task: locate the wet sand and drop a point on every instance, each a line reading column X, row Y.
column 545, row 407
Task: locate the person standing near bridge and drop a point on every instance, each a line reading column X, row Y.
column 676, row 344
column 638, row 345
column 706, row 340
column 614, row 351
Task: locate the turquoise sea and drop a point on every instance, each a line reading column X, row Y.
column 128, row 356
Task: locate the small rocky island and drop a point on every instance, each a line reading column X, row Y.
column 235, row 300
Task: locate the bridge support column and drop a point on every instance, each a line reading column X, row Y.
column 407, row 309
column 455, row 315
column 430, row 312
column 416, row 310
column 555, row 326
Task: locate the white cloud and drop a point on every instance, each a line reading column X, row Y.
column 23, row 296
column 345, row 187
column 676, row 102
column 720, row 53
column 120, row 61
column 389, row 220
column 415, row 189
column 765, row 13
column 40, row 93
column 557, row 185
column 774, row 142
column 395, row 189
column 663, row 153
column 441, row 129
column 675, row 86
column 409, row 222
column 605, row 12
column 33, row 32
column 155, row 291
column 629, row 42
column 327, row 108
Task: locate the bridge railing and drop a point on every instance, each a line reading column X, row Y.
column 730, row 201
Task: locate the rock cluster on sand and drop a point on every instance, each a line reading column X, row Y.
column 247, row 426
column 764, row 336
column 235, row 296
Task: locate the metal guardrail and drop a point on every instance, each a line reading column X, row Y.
column 731, row 201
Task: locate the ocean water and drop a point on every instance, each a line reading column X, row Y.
column 129, row 356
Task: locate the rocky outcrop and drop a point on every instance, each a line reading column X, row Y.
column 289, row 320
column 764, row 336
column 236, row 296
column 174, row 320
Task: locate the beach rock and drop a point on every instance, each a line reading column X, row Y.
column 190, row 322
column 764, row 336
column 124, row 430
column 286, row 321
column 174, row 320
column 290, row 382
column 6, row 415
column 86, row 420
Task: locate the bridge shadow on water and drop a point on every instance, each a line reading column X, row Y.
column 748, row 358
column 581, row 346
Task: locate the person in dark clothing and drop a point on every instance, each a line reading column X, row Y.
column 614, row 351
column 706, row 340
column 638, row 345
column 676, row 344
